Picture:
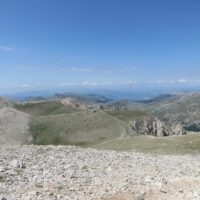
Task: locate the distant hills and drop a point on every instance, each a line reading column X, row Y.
column 90, row 119
column 135, row 93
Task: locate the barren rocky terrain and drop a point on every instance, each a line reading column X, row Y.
column 67, row 172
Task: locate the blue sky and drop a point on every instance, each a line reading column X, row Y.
column 98, row 43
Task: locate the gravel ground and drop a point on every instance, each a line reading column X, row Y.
column 72, row 173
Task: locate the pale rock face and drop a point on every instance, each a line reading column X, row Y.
column 178, row 129
column 69, row 101
column 155, row 127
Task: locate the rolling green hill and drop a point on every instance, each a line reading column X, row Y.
column 80, row 128
column 44, row 108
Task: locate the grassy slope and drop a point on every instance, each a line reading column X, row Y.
column 81, row 128
column 187, row 144
column 44, row 108
column 53, row 123
column 127, row 115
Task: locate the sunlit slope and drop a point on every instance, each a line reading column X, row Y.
column 128, row 115
column 187, row 144
column 81, row 128
column 44, row 107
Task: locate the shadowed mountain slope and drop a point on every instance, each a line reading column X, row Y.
column 14, row 124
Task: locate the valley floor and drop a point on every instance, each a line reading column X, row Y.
column 72, row 173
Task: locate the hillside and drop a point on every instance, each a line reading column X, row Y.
column 183, row 109
column 4, row 102
column 45, row 107
column 14, row 125
column 81, row 128
column 116, row 125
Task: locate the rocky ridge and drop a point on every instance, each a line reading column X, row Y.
column 71, row 173
column 182, row 109
column 69, row 101
column 153, row 126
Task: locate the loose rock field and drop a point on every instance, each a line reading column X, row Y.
column 72, row 173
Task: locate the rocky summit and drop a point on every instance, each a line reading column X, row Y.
column 72, row 173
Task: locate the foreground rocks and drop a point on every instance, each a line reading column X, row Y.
column 48, row 172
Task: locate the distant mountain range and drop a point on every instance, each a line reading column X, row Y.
column 144, row 93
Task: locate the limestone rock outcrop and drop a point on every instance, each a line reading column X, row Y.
column 155, row 127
